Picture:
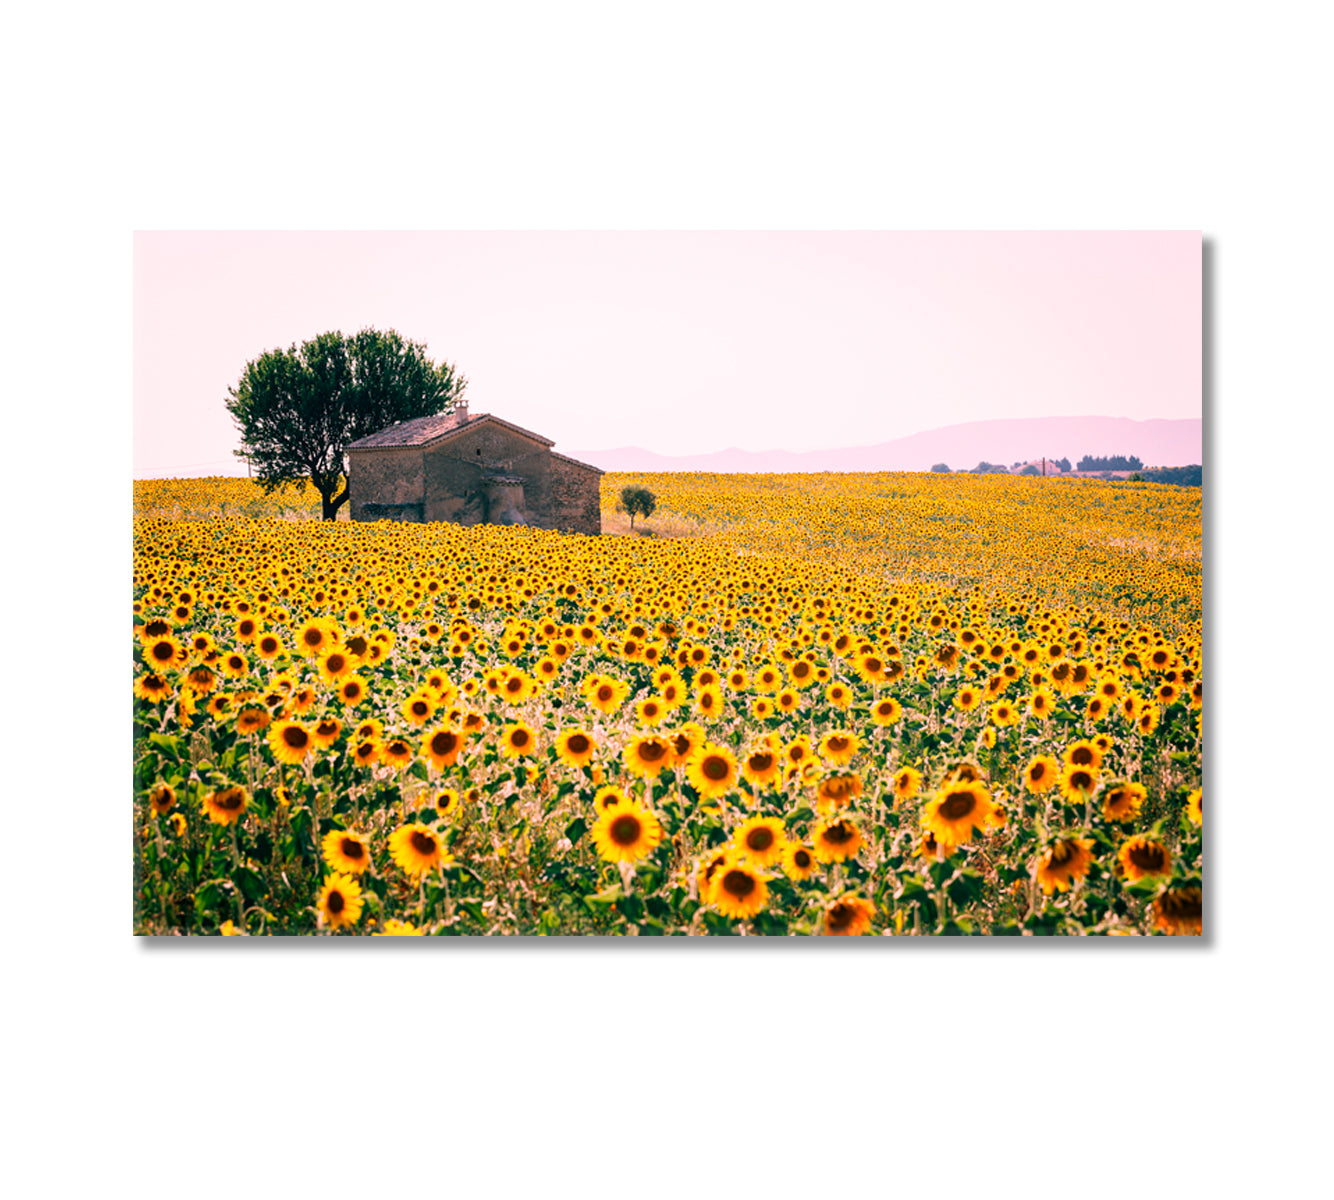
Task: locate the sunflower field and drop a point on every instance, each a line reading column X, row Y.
column 897, row 704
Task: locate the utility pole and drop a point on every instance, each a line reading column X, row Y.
column 1044, row 466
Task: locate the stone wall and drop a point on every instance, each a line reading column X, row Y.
column 576, row 496
column 389, row 476
column 454, row 473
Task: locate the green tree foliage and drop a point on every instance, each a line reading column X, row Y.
column 298, row 409
column 1192, row 476
column 941, row 469
column 1030, row 469
column 1063, row 463
column 986, row 468
column 638, row 500
column 1111, row 462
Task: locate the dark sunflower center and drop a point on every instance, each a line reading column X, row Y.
column 761, row 762
column 653, row 751
column 838, row 744
column 1185, row 905
column 327, row 728
column 840, row 916
column 739, row 884
column 839, row 833
column 1060, row 852
column 760, row 839
column 229, row 800
column 625, row 830
column 1082, row 781
column 312, row 637
column 802, row 859
column 1037, row 771
column 874, row 664
column 958, row 805
column 514, row 685
column 296, row 737
column 714, row 768
column 1082, row 756
column 336, row 902
column 422, row 843
column 352, row 848
column 444, row 742
column 1147, row 856
column 163, row 651
column 519, row 737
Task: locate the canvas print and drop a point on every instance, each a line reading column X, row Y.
column 668, row 584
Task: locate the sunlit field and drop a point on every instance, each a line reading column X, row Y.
column 902, row 704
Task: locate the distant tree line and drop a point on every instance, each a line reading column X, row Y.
column 1192, row 476
column 1181, row 476
column 1113, row 462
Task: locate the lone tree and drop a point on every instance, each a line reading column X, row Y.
column 297, row 409
column 638, row 500
column 941, row 469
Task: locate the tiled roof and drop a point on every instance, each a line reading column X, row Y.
column 423, row 430
column 416, row 432
column 577, row 463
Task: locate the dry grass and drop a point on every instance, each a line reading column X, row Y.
column 664, row 525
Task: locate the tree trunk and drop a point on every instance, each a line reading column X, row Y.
column 333, row 503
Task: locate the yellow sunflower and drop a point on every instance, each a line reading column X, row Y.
column 738, row 890
column 712, row 771
column 886, row 711
column 396, row 752
column 290, row 741
column 907, row 783
column 416, row 848
column 762, row 763
column 626, row 833
column 1121, row 800
column 650, row 711
column 848, row 916
column 1078, row 783
column 837, row 840
column 162, row 799
column 957, row 810
column 839, row 747
column 418, row 708
column 1141, row 857
column 606, row 694
column 608, row 797
column 1179, row 911
column 575, row 747
column 1041, row 774
column 396, row 928
column 761, row 840
column 226, row 804
column 799, row 862
column 443, row 746
column 838, row 791
column 346, row 850
column 1065, row 860
column 1195, row 806
column 340, row 901
column 647, row 755
column 324, row 733
column 518, row 740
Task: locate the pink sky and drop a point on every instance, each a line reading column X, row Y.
column 684, row 342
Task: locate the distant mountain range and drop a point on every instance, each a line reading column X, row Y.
column 1175, row 443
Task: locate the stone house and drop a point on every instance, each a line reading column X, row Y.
column 470, row 470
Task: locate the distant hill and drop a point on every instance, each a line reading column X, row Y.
column 1173, row 443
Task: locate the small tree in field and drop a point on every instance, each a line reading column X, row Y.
column 941, row 468
column 638, row 500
